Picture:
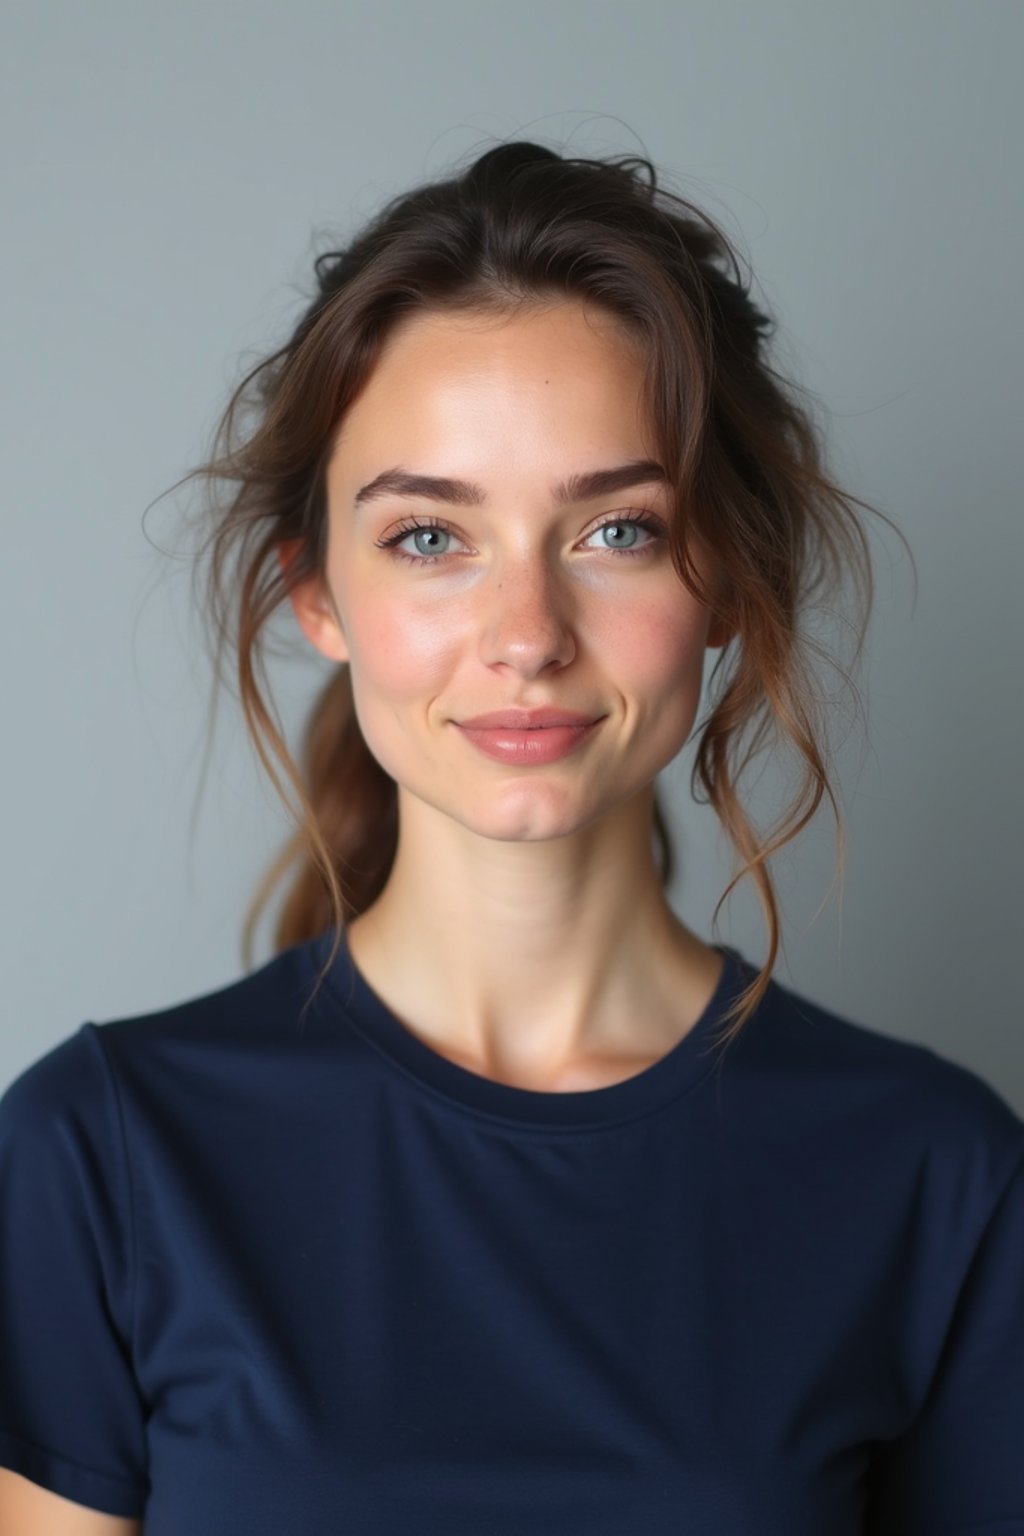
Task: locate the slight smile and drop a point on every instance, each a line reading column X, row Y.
column 531, row 745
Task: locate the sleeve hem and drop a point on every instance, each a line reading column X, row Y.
column 97, row 1490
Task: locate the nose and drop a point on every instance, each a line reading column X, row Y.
column 527, row 622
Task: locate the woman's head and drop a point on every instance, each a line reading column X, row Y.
column 530, row 319
column 465, row 572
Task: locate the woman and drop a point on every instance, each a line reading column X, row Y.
column 498, row 1201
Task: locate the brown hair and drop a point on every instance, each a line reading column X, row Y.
column 744, row 456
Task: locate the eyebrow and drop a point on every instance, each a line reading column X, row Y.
column 464, row 493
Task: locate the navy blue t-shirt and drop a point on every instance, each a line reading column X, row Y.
column 263, row 1274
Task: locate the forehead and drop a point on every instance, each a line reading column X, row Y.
column 561, row 370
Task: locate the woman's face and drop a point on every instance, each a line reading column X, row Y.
column 509, row 595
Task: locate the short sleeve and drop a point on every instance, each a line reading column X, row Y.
column 72, row 1417
column 960, row 1467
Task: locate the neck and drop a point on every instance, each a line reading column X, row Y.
column 526, row 960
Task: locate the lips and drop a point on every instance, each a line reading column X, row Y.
column 526, row 719
column 533, row 746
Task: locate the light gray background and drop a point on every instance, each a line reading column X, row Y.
column 166, row 172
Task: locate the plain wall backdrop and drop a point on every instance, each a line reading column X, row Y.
column 168, row 174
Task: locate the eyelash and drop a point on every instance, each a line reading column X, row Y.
column 650, row 525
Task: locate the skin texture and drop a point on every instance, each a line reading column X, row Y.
column 28, row 1510
column 523, row 931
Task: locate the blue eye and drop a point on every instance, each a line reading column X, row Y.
column 628, row 525
column 653, row 527
column 433, row 529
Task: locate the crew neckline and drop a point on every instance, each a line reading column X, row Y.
column 684, row 1065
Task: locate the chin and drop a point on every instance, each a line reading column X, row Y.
column 521, row 815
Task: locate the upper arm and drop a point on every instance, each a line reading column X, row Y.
column 73, row 1420
column 26, row 1509
column 959, row 1467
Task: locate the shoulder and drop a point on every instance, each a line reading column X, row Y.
column 266, row 998
column 67, row 1079
column 904, row 1098
column 77, row 1081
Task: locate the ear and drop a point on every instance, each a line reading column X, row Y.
column 313, row 608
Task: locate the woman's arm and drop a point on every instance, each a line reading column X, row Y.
column 28, row 1510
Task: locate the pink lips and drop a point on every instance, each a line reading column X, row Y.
column 528, row 737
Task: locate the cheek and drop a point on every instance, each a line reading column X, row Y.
column 399, row 651
column 658, row 647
